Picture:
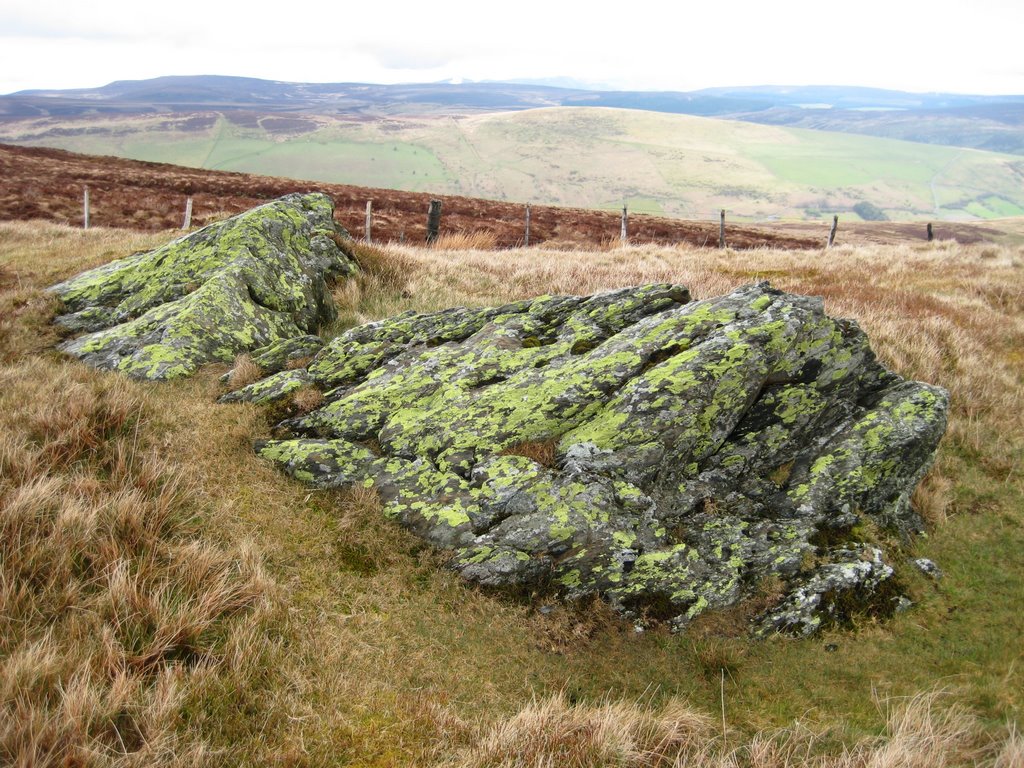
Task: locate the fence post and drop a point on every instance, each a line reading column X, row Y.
column 526, row 236
column 832, row 232
column 931, row 235
column 625, row 216
column 369, row 219
column 433, row 220
column 188, row 213
column 85, row 209
column 721, row 229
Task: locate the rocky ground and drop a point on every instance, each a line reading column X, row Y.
column 668, row 455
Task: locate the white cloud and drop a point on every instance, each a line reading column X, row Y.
column 938, row 45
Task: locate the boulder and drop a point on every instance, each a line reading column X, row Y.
column 234, row 286
column 672, row 456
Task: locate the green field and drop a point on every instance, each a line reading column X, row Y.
column 674, row 165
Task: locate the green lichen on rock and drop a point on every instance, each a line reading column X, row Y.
column 234, row 286
column 274, row 387
column 699, row 448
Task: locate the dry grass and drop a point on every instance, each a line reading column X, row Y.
column 553, row 732
column 115, row 609
column 380, row 287
column 376, row 656
column 919, row 733
column 543, row 452
column 111, row 600
column 243, row 372
column 1011, row 753
column 465, row 241
column 307, row 399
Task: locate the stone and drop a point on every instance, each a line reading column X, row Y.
column 234, row 286
column 274, row 358
column 272, row 388
column 671, row 456
column 928, row 568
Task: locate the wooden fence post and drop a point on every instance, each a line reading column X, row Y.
column 369, row 219
column 931, row 235
column 624, row 235
column 526, row 235
column 721, row 230
column 188, row 213
column 832, row 232
column 85, row 209
column 433, row 220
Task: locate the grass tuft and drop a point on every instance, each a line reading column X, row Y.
column 553, row 732
column 244, row 372
column 542, row 452
column 465, row 241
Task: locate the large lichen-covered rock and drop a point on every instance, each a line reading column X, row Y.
column 234, row 286
column 672, row 456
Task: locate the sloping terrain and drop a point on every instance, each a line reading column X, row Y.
column 661, row 164
column 48, row 184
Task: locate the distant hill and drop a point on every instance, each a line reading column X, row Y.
column 983, row 122
column 673, row 165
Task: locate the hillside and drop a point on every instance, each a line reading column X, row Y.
column 666, row 165
column 48, row 184
column 983, row 122
column 172, row 599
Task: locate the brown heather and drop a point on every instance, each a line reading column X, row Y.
column 138, row 627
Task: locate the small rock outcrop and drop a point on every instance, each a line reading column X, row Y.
column 234, row 286
column 672, row 456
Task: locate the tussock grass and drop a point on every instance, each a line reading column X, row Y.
column 465, row 241
column 556, row 733
column 110, row 599
column 367, row 652
column 919, row 733
column 380, row 286
column 114, row 607
column 543, row 452
column 243, row 372
column 307, row 399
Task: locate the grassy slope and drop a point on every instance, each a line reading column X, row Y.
column 681, row 165
column 376, row 656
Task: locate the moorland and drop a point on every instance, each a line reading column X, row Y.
column 169, row 598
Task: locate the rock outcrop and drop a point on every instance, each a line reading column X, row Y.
column 234, row 286
column 672, row 456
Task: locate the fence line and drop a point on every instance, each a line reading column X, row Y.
column 434, row 222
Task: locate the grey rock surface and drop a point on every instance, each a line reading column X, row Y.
column 668, row 455
column 234, row 286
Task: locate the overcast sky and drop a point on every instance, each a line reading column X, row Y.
column 936, row 45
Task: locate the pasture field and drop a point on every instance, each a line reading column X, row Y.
column 683, row 166
column 317, row 633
